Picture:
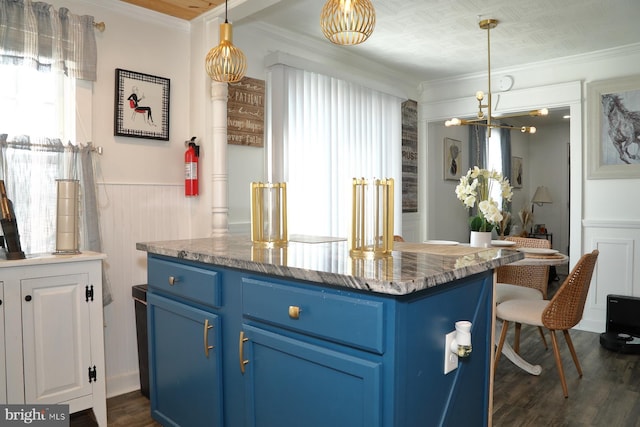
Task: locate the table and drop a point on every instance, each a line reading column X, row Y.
column 507, row 350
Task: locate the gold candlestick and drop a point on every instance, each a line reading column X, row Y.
column 372, row 218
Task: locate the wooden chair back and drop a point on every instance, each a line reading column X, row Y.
column 567, row 305
column 531, row 276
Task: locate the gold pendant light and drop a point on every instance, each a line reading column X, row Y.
column 347, row 22
column 486, row 119
column 226, row 63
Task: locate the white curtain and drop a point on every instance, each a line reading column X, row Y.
column 331, row 132
column 36, row 35
column 29, row 167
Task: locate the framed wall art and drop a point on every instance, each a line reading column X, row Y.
column 516, row 172
column 452, row 159
column 409, row 156
column 614, row 128
column 141, row 105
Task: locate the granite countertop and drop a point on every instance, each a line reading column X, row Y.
column 410, row 268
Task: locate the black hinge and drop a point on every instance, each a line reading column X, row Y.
column 88, row 292
column 92, row 374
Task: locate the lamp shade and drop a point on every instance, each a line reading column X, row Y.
column 541, row 196
column 347, row 22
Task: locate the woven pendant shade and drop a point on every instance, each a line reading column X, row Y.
column 226, row 63
column 347, row 22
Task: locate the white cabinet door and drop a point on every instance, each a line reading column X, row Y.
column 3, row 360
column 56, row 338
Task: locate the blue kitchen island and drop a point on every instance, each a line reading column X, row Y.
column 305, row 335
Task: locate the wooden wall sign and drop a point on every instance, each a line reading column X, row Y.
column 410, row 156
column 245, row 113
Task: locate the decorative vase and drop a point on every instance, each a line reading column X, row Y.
column 480, row 239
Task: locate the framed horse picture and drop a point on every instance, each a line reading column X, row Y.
column 614, row 128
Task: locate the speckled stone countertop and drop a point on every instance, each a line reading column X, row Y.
column 410, row 268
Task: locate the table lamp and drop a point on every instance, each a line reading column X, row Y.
column 540, row 197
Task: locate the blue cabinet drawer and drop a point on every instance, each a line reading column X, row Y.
column 333, row 316
column 186, row 281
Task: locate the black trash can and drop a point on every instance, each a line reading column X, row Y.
column 139, row 293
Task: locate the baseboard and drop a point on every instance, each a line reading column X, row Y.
column 597, row 326
column 122, row 384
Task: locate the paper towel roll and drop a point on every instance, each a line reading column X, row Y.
column 67, row 216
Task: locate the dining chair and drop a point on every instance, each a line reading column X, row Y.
column 561, row 313
column 523, row 282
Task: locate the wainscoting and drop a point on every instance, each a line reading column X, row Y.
column 618, row 243
column 130, row 214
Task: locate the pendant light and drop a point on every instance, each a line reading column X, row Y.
column 347, row 22
column 226, row 63
column 485, row 118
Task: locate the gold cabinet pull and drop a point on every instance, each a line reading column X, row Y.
column 173, row 280
column 294, row 312
column 207, row 347
column 241, row 342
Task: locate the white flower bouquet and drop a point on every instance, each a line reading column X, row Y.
column 475, row 188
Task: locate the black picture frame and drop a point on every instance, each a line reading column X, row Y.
column 452, row 159
column 141, row 107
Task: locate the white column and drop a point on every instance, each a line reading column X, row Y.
column 219, row 174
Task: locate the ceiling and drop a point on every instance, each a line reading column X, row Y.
column 183, row 9
column 439, row 39
column 434, row 39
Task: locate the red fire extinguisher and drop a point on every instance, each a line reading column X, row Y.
column 191, row 169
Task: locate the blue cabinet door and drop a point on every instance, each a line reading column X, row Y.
column 292, row 382
column 184, row 364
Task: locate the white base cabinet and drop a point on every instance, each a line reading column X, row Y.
column 53, row 335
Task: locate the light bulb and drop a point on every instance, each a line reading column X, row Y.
column 479, row 95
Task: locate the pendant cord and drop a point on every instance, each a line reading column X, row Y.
column 226, row 4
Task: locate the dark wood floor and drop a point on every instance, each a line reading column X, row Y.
column 607, row 395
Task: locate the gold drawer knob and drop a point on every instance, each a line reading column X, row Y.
column 173, row 280
column 294, row 312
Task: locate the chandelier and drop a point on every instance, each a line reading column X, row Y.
column 347, row 22
column 485, row 119
column 226, row 63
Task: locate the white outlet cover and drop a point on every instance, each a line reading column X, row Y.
column 450, row 358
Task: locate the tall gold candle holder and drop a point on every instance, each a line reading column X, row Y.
column 372, row 218
column 269, row 213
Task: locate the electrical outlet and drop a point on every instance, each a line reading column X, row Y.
column 450, row 358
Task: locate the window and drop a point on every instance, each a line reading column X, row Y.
column 35, row 107
column 332, row 131
column 494, row 162
column 33, row 103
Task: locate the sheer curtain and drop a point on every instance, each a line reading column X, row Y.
column 505, row 148
column 331, row 132
column 29, row 169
